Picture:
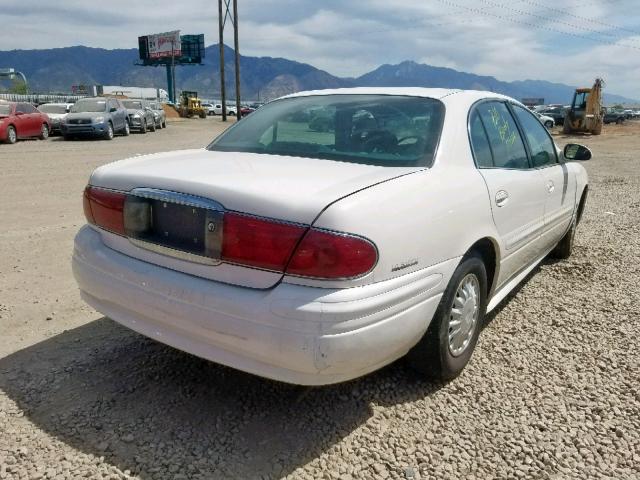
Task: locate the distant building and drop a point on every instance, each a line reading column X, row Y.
column 135, row 92
column 532, row 102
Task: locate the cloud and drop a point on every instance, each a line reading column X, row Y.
column 566, row 41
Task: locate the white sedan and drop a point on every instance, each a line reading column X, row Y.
column 316, row 255
column 547, row 121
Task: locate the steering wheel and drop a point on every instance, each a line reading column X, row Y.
column 417, row 138
column 379, row 141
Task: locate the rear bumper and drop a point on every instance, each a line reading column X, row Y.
column 296, row 334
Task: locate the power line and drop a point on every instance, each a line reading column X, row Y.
column 586, row 19
column 538, row 26
column 552, row 20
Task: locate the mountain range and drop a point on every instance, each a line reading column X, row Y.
column 262, row 78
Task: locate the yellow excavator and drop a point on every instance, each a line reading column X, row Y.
column 190, row 105
column 586, row 114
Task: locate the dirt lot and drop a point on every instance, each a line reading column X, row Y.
column 552, row 390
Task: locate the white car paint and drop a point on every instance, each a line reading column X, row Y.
column 310, row 331
column 547, row 121
column 57, row 118
column 217, row 109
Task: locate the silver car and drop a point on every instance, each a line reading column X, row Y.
column 141, row 116
column 159, row 114
column 57, row 112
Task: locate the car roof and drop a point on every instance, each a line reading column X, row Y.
column 436, row 93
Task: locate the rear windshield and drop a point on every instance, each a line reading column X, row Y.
column 89, row 106
column 5, row 109
column 131, row 105
column 53, row 108
column 381, row 130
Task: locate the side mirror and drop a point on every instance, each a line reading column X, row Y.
column 577, row 152
column 113, row 109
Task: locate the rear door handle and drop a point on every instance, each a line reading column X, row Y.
column 502, row 197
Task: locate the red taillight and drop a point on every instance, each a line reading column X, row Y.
column 104, row 208
column 258, row 242
column 328, row 255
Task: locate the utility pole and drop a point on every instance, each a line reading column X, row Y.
column 222, row 20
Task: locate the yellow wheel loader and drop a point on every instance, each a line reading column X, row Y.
column 190, row 105
column 586, row 114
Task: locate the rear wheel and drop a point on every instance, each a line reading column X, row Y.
column 44, row 132
column 126, row 131
column 164, row 124
column 12, row 136
column 153, row 126
column 143, row 127
column 452, row 335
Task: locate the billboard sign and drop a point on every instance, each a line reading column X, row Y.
column 163, row 45
column 532, row 102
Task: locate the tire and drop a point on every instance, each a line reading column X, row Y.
column 108, row 135
column 563, row 250
column 434, row 356
column 619, row 121
column 164, row 124
column 597, row 129
column 126, row 131
column 549, row 124
column 44, row 132
column 66, row 137
column 143, row 127
column 566, row 128
column 12, row 136
column 153, row 126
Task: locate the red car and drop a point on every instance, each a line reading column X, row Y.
column 244, row 111
column 22, row 120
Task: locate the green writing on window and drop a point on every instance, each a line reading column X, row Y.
column 507, row 135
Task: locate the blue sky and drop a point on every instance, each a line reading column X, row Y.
column 567, row 41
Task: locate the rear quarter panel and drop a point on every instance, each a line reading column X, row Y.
column 421, row 219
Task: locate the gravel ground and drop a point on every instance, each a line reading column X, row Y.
column 551, row 392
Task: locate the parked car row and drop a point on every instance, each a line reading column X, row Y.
column 216, row 109
column 101, row 117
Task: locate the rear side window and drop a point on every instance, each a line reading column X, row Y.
column 543, row 151
column 480, row 142
column 504, row 137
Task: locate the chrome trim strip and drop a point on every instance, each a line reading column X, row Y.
column 171, row 252
column 178, row 198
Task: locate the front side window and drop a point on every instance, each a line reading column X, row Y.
column 25, row 108
column 504, row 137
column 543, row 151
column 383, row 130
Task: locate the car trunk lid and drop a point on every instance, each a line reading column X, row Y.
column 185, row 189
